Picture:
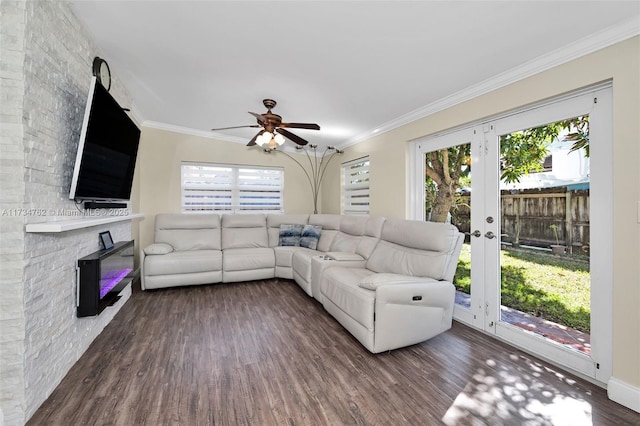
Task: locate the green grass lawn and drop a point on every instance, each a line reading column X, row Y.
column 554, row 288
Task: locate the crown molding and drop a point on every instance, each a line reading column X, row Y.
column 193, row 132
column 592, row 43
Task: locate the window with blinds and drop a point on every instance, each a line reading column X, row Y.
column 231, row 189
column 355, row 186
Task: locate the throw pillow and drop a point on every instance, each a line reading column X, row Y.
column 310, row 236
column 290, row 234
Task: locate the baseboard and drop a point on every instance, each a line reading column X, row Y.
column 624, row 394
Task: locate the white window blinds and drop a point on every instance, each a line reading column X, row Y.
column 231, row 189
column 355, row 186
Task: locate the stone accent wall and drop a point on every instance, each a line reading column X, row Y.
column 46, row 72
column 12, row 88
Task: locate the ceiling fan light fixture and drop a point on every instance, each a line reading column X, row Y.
column 264, row 138
column 272, row 123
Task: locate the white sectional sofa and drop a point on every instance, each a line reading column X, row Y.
column 387, row 281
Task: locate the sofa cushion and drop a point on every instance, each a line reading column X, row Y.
column 243, row 259
column 353, row 225
column 396, row 259
column 351, row 230
column 421, row 235
column 189, row 231
column 345, row 243
column 330, row 226
column 290, row 234
column 183, row 262
column 244, row 221
column 158, row 248
column 374, row 226
column 371, row 236
column 284, row 254
column 310, row 236
column 414, row 248
column 340, row 286
column 244, row 231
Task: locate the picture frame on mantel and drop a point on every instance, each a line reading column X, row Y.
column 106, row 242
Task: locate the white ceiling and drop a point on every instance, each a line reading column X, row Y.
column 350, row 66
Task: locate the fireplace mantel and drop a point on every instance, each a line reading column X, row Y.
column 61, row 224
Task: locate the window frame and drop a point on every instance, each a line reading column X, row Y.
column 231, row 190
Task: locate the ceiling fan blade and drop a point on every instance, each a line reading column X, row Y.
column 310, row 126
column 297, row 139
column 253, row 141
column 236, row 127
column 259, row 117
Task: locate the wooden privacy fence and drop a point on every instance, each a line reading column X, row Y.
column 526, row 218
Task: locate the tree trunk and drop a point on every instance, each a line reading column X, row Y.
column 443, row 204
column 443, row 167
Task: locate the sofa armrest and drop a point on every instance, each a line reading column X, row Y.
column 372, row 282
column 158, row 248
column 341, row 256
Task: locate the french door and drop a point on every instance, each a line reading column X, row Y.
column 475, row 161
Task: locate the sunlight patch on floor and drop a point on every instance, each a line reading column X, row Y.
column 505, row 396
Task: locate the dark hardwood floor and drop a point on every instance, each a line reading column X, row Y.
column 264, row 353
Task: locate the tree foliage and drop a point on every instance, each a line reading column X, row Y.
column 521, row 153
column 579, row 133
column 524, row 151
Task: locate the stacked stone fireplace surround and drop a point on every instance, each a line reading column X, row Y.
column 46, row 71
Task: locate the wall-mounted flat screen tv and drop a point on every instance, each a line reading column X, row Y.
column 107, row 151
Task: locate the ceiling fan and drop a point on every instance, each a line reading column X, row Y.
column 273, row 128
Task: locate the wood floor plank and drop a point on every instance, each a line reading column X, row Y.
column 264, row 353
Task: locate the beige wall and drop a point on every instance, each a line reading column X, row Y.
column 158, row 172
column 389, row 155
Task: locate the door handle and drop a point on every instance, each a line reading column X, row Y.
column 490, row 235
column 476, row 233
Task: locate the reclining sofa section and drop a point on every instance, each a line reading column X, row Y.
column 387, row 281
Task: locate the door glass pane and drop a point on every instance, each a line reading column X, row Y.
column 544, row 205
column 448, row 199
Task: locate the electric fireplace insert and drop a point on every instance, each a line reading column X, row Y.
column 102, row 276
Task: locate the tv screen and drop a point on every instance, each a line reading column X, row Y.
column 107, row 150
